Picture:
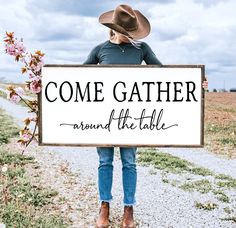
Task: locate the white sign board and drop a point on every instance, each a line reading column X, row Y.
column 95, row 105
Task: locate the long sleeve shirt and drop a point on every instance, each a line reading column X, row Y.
column 124, row 53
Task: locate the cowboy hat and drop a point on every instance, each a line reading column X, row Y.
column 126, row 21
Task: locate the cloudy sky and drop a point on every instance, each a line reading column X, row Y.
column 183, row 32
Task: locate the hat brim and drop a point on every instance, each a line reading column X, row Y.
column 142, row 31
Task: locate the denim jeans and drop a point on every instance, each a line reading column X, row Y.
column 105, row 173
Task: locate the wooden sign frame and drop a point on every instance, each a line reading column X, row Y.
column 202, row 67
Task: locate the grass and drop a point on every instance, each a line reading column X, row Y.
column 226, row 181
column 17, row 159
column 232, row 218
column 226, row 109
column 227, row 184
column 206, row 206
column 220, row 124
column 22, row 204
column 221, row 196
column 8, row 128
column 2, row 94
column 222, row 134
column 162, row 161
column 168, row 163
column 228, row 141
column 202, row 186
column 201, row 171
column 228, row 210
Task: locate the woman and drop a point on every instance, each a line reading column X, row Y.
column 126, row 27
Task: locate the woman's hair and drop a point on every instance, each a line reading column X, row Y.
column 135, row 43
column 111, row 34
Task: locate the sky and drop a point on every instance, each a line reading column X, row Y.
column 182, row 32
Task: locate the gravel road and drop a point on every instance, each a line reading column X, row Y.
column 159, row 204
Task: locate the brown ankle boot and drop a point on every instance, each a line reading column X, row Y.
column 128, row 218
column 103, row 218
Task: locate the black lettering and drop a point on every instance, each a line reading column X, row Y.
column 46, row 91
column 148, row 89
column 190, row 91
column 98, row 91
column 71, row 91
column 135, row 91
column 160, row 91
column 177, row 91
column 124, row 93
column 86, row 90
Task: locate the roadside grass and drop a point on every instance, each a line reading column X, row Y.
column 226, row 181
column 228, row 210
column 221, row 196
column 226, row 109
column 221, row 136
column 22, row 204
column 169, row 163
column 206, row 206
column 231, row 218
column 220, row 124
column 188, row 176
column 202, row 186
column 8, row 128
column 3, row 95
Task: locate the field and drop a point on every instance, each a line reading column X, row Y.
column 220, row 123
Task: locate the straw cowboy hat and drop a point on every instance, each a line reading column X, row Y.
column 126, row 21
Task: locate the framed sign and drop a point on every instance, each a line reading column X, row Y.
column 122, row 105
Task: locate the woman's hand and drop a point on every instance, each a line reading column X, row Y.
column 205, row 83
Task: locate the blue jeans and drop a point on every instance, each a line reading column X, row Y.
column 105, row 173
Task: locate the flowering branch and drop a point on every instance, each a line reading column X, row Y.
column 33, row 64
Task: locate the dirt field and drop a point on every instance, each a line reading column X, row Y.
column 220, row 123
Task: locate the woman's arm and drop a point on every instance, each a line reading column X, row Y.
column 149, row 56
column 93, row 56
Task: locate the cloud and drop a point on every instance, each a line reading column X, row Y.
column 209, row 3
column 83, row 7
column 183, row 32
column 191, row 32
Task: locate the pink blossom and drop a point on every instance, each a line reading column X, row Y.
column 16, row 48
column 40, row 65
column 10, row 49
column 36, row 68
column 15, row 98
column 20, row 47
column 20, row 145
column 26, row 137
column 35, row 86
column 19, row 91
column 36, row 78
column 23, row 60
column 33, row 119
column 31, row 75
column 36, row 64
